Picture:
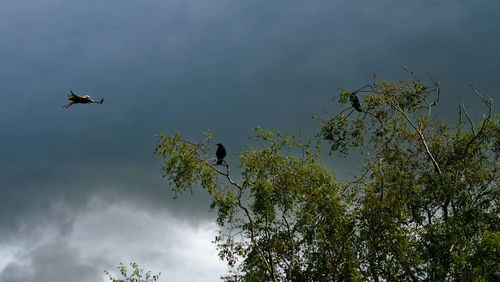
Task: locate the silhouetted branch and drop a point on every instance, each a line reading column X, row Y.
column 435, row 82
column 468, row 118
column 422, row 137
column 489, row 104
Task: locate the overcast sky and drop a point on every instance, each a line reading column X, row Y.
column 80, row 190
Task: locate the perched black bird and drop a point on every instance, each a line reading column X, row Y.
column 355, row 102
column 75, row 99
column 220, row 153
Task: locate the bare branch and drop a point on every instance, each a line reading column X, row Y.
column 459, row 115
column 362, row 89
column 422, row 138
column 468, row 118
column 435, row 82
column 429, row 108
column 345, row 111
column 489, row 104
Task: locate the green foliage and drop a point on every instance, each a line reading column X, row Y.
column 136, row 275
column 427, row 206
column 283, row 213
column 186, row 163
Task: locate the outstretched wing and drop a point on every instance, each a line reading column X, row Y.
column 71, row 95
column 68, row 104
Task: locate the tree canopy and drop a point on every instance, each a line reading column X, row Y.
column 425, row 207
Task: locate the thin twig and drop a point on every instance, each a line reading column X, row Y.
column 489, row 104
column 364, row 87
column 468, row 118
column 435, row 81
column 357, row 181
column 459, row 115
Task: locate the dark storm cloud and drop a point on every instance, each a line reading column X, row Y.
column 45, row 261
column 192, row 65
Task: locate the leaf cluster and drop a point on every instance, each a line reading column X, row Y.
column 136, row 274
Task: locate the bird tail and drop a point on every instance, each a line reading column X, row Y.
column 219, row 162
column 71, row 94
column 100, row 101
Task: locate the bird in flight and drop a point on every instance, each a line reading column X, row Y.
column 220, row 153
column 85, row 99
column 355, row 102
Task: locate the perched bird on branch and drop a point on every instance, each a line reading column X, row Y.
column 85, row 99
column 220, row 153
column 355, row 102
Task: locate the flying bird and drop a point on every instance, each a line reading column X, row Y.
column 355, row 102
column 220, row 153
column 85, row 99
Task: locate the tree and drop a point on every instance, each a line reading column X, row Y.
column 426, row 206
column 282, row 214
column 137, row 274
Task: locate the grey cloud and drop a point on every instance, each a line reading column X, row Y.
column 53, row 262
column 57, row 263
column 15, row 272
column 105, row 233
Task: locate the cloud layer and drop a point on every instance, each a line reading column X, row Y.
column 104, row 233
